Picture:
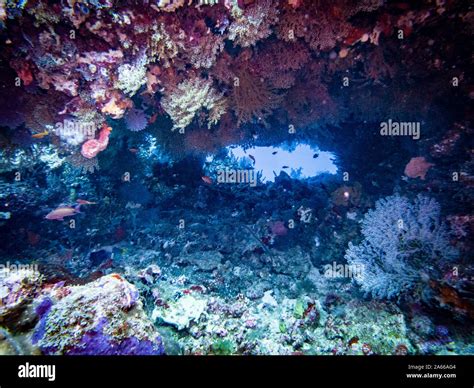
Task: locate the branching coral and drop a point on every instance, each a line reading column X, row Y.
column 169, row 5
column 253, row 24
column 131, row 77
column 189, row 97
column 161, row 45
column 204, row 54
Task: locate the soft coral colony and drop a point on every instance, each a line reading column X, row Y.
column 195, row 62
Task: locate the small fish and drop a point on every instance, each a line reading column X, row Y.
column 84, row 202
column 286, row 167
column 61, row 212
column 252, row 157
column 207, row 180
column 315, row 155
column 274, row 152
column 40, row 135
column 133, row 150
column 153, row 118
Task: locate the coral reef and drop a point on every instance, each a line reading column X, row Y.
column 104, row 317
column 253, row 24
column 18, row 287
column 249, row 200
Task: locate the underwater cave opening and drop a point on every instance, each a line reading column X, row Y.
column 299, row 161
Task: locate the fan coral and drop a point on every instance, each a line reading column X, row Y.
column 278, row 62
column 404, row 244
column 306, row 23
column 136, row 120
column 322, row 25
column 253, row 24
column 376, row 68
column 252, row 98
column 309, row 101
column 189, row 97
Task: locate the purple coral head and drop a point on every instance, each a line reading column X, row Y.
column 136, row 120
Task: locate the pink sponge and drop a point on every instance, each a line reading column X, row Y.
column 417, row 167
column 93, row 146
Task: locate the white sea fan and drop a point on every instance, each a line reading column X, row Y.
column 403, row 241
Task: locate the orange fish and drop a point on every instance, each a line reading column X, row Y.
column 153, row 118
column 207, row 180
column 61, row 212
column 40, row 135
column 84, row 202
